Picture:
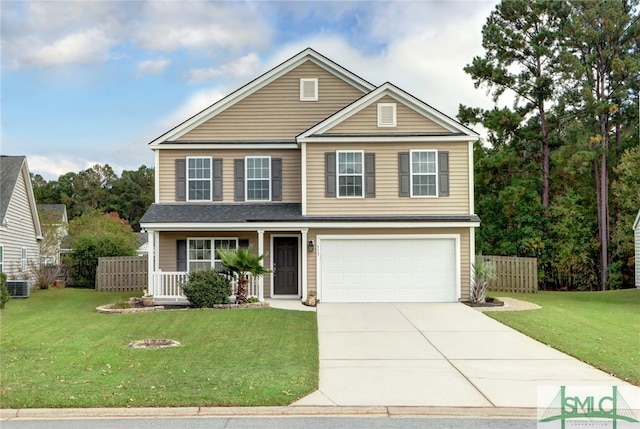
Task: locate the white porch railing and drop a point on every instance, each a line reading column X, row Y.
column 168, row 285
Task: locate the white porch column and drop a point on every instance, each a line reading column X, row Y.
column 261, row 252
column 151, row 258
column 303, row 263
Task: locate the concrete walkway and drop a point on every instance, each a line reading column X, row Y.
column 437, row 355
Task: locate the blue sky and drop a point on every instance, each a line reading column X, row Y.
column 86, row 82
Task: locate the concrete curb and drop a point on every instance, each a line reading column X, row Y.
column 292, row 411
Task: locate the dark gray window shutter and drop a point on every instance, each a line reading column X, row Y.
column 330, row 174
column 443, row 174
column 217, row 179
column 369, row 175
column 238, row 179
column 276, row 179
column 181, row 255
column 404, row 174
column 181, row 180
column 243, row 243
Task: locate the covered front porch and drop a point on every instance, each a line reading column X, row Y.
column 173, row 254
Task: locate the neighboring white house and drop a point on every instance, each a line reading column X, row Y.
column 54, row 221
column 20, row 230
column 636, row 235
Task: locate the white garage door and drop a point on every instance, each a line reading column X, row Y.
column 387, row 270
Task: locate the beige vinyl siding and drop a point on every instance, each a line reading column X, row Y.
column 407, row 121
column 20, row 233
column 387, row 201
column 291, row 191
column 464, row 233
column 275, row 111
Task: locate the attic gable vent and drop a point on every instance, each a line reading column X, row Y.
column 386, row 114
column 309, row 89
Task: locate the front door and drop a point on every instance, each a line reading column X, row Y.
column 285, row 265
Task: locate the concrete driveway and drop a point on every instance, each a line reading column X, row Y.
column 443, row 355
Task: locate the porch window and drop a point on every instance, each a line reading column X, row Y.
column 199, row 254
column 424, row 174
column 224, row 243
column 350, row 174
column 199, row 179
column 202, row 252
column 258, row 176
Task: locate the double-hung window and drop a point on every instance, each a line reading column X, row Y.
column 199, row 179
column 424, row 173
column 202, row 252
column 222, row 243
column 23, row 260
column 350, row 167
column 258, row 174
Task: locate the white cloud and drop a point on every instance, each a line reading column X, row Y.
column 208, row 26
column 87, row 47
column 55, row 165
column 153, row 66
column 42, row 33
column 244, row 66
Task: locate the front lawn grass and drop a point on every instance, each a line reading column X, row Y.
column 56, row 351
column 600, row 328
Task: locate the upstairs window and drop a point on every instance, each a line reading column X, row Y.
column 199, row 179
column 350, row 174
column 258, row 176
column 424, row 173
column 309, row 89
column 386, row 114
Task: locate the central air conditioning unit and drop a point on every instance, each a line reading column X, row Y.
column 18, row 288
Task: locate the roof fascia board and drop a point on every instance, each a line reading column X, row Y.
column 387, row 139
column 400, row 96
column 260, row 82
column 32, row 199
column 296, row 226
column 226, row 146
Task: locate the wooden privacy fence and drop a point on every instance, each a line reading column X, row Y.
column 122, row 274
column 512, row 273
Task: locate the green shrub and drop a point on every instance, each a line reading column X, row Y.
column 4, row 292
column 87, row 250
column 206, row 288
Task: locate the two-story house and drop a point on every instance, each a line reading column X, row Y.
column 355, row 192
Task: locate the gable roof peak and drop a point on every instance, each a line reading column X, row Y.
column 307, row 54
column 401, row 96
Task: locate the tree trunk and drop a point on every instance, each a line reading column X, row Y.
column 545, row 157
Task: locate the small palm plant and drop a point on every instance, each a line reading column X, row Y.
column 242, row 262
column 481, row 273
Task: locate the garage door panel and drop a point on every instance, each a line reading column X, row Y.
column 388, row 270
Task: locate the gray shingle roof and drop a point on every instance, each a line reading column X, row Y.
column 56, row 211
column 9, row 170
column 272, row 212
